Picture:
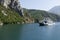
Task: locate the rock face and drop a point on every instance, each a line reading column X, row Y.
column 5, row 3
column 13, row 4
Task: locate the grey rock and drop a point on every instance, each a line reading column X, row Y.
column 13, row 4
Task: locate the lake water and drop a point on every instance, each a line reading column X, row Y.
column 30, row 32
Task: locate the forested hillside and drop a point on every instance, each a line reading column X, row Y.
column 40, row 14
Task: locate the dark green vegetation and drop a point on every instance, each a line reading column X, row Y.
column 12, row 16
column 40, row 14
column 30, row 15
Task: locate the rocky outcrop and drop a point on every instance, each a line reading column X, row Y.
column 4, row 13
column 16, row 5
column 5, row 3
column 13, row 4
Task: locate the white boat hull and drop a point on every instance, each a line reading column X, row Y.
column 49, row 23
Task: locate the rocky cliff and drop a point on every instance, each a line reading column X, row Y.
column 13, row 4
column 12, row 13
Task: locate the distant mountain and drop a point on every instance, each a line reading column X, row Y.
column 55, row 10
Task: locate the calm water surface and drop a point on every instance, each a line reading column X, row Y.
column 30, row 32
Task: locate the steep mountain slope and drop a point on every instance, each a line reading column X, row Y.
column 55, row 10
column 8, row 15
column 11, row 12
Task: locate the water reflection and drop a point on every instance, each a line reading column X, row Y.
column 10, row 32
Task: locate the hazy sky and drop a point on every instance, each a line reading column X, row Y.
column 39, row 4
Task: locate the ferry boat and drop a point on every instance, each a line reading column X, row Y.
column 46, row 22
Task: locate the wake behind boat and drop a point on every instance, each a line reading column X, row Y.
column 46, row 22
